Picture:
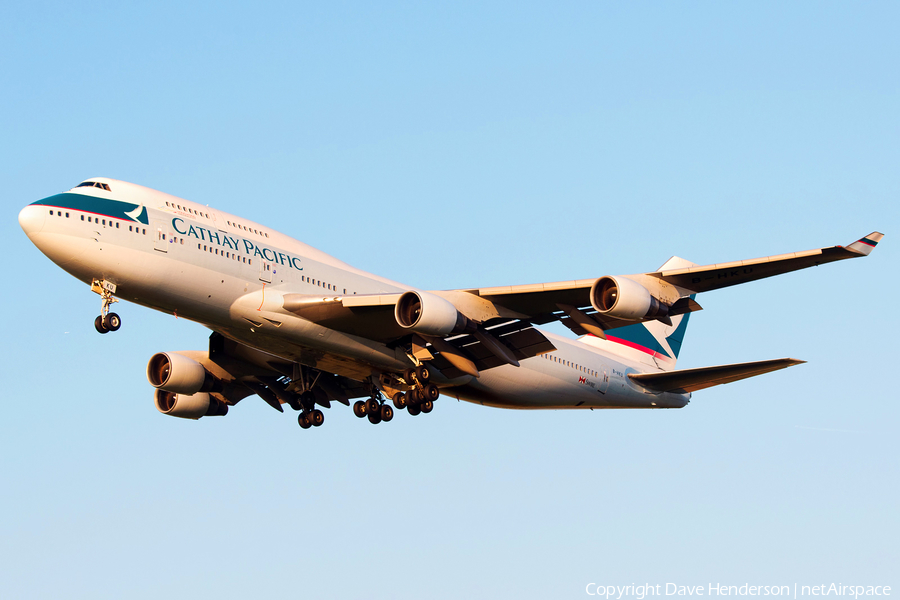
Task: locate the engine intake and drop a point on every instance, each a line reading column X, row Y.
column 430, row 314
column 189, row 406
column 177, row 373
column 623, row 298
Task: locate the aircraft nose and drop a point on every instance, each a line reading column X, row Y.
column 31, row 219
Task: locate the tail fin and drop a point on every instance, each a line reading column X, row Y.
column 653, row 342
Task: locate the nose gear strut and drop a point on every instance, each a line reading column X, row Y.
column 107, row 321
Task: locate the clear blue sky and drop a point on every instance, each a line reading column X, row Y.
column 447, row 146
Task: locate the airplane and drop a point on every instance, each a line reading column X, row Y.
column 297, row 327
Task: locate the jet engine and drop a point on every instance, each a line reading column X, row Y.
column 430, row 314
column 173, row 372
column 189, row 406
column 623, row 298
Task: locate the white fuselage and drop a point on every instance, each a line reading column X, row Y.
column 230, row 274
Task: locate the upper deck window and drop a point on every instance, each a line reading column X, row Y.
column 96, row 184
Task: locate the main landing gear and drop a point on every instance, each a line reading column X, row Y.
column 420, row 399
column 107, row 321
column 374, row 409
column 311, row 418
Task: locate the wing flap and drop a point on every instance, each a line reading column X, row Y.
column 691, row 380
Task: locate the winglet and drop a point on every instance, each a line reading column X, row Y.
column 865, row 245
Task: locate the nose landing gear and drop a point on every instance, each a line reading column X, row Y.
column 107, row 321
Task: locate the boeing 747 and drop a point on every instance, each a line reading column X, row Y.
column 297, row 327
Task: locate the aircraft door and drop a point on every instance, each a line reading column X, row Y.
column 604, row 378
column 265, row 271
column 161, row 235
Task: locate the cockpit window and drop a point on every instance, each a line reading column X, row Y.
column 96, row 184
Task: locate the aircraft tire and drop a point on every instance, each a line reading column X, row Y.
column 422, row 374
column 372, row 406
column 316, row 417
column 98, row 325
column 303, row 421
column 431, row 392
column 412, row 398
column 359, row 408
column 374, row 418
column 413, row 409
column 399, row 400
column 112, row 322
column 387, row 413
column 427, row 406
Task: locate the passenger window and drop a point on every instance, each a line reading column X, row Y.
column 82, row 217
column 67, row 215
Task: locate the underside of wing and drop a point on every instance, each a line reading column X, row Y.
column 691, row 380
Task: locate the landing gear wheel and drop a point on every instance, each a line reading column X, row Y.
column 427, row 406
column 374, row 418
column 372, row 406
column 413, row 409
column 359, row 408
column 303, row 420
column 431, row 392
column 409, row 375
column 399, row 400
column 387, row 413
column 412, row 398
column 98, row 325
column 316, row 417
column 112, row 321
column 422, row 374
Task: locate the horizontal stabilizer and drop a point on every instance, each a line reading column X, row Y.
column 691, row 380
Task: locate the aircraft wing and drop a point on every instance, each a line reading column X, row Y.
column 506, row 315
column 544, row 299
column 691, row 380
column 713, row 277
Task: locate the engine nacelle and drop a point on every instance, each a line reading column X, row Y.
column 189, row 406
column 177, row 373
column 623, row 298
column 429, row 314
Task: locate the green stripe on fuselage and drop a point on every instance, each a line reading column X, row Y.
column 116, row 209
